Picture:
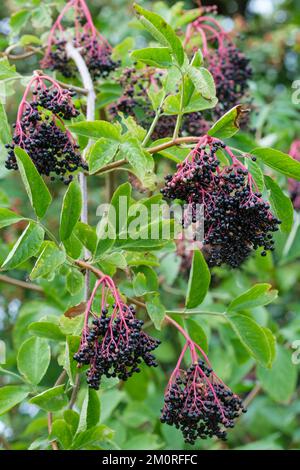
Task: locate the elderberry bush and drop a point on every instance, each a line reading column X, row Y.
column 199, row 404
column 236, row 218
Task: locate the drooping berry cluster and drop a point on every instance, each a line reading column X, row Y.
column 40, row 131
column 229, row 66
column 135, row 101
column 236, row 218
column 94, row 48
column 114, row 344
column 293, row 185
column 197, row 402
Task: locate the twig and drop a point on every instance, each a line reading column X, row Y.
column 250, row 397
column 23, row 284
column 31, row 51
column 75, row 391
column 172, row 143
column 87, row 82
column 54, row 444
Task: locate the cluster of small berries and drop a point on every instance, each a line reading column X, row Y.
column 135, row 101
column 198, row 403
column 114, row 344
column 40, row 132
column 94, row 48
column 293, row 185
column 231, row 71
column 236, row 218
column 229, row 67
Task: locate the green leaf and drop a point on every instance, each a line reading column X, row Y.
column 25, row 247
column 50, row 259
column 197, row 103
column 18, row 20
column 258, row 295
column 8, row 217
column 90, row 411
column 256, row 174
column 253, row 338
column 281, row 204
column 72, row 346
column 196, row 333
column 53, row 399
column 96, row 129
column 199, row 281
column 279, row 161
column 7, row 70
column 228, row 124
column 140, row 160
column 75, row 281
column 37, row 190
column 156, row 310
column 61, row 432
column 102, row 153
column 161, row 31
column 203, row 81
column 280, row 381
column 46, row 329
column 87, row 235
column 71, row 210
column 10, row 396
column 155, row 56
column 33, row 359
column 5, row 134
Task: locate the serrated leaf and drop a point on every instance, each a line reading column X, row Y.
column 101, row 153
column 161, row 31
column 53, row 399
column 96, row 129
column 279, row 161
column 10, row 396
column 252, row 337
column 156, row 310
column 71, row 210
column 90, row 411
column 46, row 329
column 199, row 281
column 49, row 260
column 154, row 56
column 258, row 295
column 33, row 359
column 37, row 190
column 8, row 217
column 75, row 281
column 61, row 432
column 25, row 247
column 203, row 81
column 281, row 204
column 229, row 124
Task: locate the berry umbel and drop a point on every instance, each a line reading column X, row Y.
column 229, row 67
column 196, row 400
column 94, row 48
column 40, row 130
column 113, row 343
column 236, row 218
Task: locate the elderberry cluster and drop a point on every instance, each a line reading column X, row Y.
column 198, row 404
column 231, row 71
column 115, row 346
column 135, row 102
column 51, row 148
column 236, row 219
column 58, row 101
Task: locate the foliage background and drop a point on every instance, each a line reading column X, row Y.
column 270, row 36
